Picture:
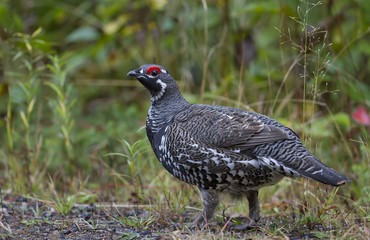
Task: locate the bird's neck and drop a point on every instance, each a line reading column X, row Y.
column 162, row 110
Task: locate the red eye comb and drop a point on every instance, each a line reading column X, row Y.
column 153, row 68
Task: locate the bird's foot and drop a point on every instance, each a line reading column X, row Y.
column 200, row 222
column 248, row 225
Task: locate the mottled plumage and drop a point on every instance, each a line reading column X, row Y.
column 223, row 149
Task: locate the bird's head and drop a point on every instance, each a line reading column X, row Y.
column 155, row 78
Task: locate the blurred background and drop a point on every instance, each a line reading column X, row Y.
column 73, row 123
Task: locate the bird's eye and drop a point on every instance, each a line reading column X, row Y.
column 153, row 71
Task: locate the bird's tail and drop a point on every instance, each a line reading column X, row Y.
column 318, row 171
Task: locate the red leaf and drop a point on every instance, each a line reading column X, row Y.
column 361, row 116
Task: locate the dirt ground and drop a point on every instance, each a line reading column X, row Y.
column 23, row 218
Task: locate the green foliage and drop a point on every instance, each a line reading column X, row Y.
column 361, row 187
column 35, row 222
column 64, row 204
column 135, row 222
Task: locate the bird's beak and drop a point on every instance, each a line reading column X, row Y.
column 132, row 73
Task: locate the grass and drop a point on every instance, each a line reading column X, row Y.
column 68, row 141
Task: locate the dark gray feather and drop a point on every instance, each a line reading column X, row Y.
column 227, row 129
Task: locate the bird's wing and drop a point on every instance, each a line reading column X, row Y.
column 191, row 153
column 224, row 136
column 227, row 129
column 202, row 164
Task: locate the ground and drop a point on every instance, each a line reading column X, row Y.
column 25, row 218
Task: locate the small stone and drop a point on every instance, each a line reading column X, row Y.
column 54, row 235
column 7, row 217
column 21, row 199
column 86, row 215
column 146, row 232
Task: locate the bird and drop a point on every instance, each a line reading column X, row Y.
column 223, row 150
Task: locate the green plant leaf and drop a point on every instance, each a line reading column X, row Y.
column 83, row 34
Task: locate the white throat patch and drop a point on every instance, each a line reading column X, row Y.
column 160, row 94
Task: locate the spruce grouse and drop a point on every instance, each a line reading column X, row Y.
column 223, row 149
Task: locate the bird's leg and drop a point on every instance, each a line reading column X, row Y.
column 254, row 206
column 210, row 199
column 254, row 210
